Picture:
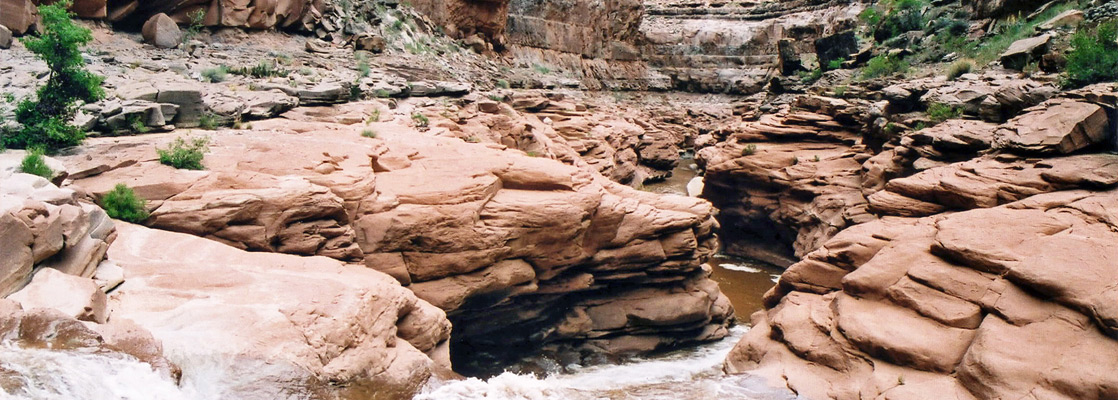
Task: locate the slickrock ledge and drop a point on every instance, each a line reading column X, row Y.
column 523, row 253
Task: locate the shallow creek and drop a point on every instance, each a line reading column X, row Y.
column 686, row 374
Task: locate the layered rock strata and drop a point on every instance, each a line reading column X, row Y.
column 980, row 241
column 521, row 252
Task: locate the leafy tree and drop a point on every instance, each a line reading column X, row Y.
column 45, row 119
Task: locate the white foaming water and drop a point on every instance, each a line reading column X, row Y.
column 740, row 267
column 695, row 374
column 72, row 375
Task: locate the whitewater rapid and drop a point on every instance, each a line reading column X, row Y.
column 31, row 373
column 691, row 374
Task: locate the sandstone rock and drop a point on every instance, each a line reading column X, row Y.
column 161, row 31
column 961, row 324
column 75, row 296
column 5, row 37
column 310, row 308
column 1024, row 51
column 1058, row 127
column 188, row 99
column 369, row 42
column 1069, row 18
column 18, row 15
column 835, row 47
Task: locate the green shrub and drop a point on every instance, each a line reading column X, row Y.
column 136, row 124
column 903, row 16
column 373, row 117
column 840, row 90
column 263, row 69
column 363, row 69
column 750, row 149
column 543, row 69
column 835, row 64
column 884, row 65
column 420, row 119
column 197, row 17
column 46, row 119
column 183, row 155
column 810, row 76
column 383, row 93
column 34, row 163
column 207, row 121
column 369, row 133
column 938, row 112
column 121, row 203
column 958, row 68
column 1094, row 56
column 215, row 75
column 503, row 84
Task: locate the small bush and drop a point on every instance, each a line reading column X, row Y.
column 750, row 149
column 835, row 64
column 373, row 117
column 884, row 65
column 264, row 69
column 215, row 75
column 959, row 68
column 121, row 203
column 810, row 76
column 363, row 69
column 420, row 119
column 34, row 164
column 383, row 93
column 543, row 69
column 840, row 90
column 503, row 84
column 938, row 112
column 197, row 18
column 1094, row 56
column 136, row 124
column 183, row 155
column 369, row 133
column 207, row 121
column 903, row 16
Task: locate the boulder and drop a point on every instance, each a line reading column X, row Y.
column 331, row 328
column 162, row 31
column 18, row 15
column 75, row 296
column 1024, row 51
column 5, row 37
column 369, row 42
column 1069, row 18
column 1056, row 127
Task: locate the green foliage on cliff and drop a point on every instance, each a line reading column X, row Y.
column 1094, row 56
column 884, row 65
column 890, row 18
column 121, row 203
column 938, row 112
column 46, row 119
column 34, row 163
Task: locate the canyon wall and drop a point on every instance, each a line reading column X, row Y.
column 956, row 261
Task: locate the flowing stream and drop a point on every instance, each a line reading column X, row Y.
column 687, row 374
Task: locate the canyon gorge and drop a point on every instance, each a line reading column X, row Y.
column 563, row 199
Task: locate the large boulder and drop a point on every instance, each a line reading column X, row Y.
column 275, row 325
column 162, row 31
column 1056, row 127
column 18, row 15
column 75, row 296
column 1024, row 51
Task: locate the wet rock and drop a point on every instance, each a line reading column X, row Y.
column 162, row 31
column 75, row 296
column 308, row 306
